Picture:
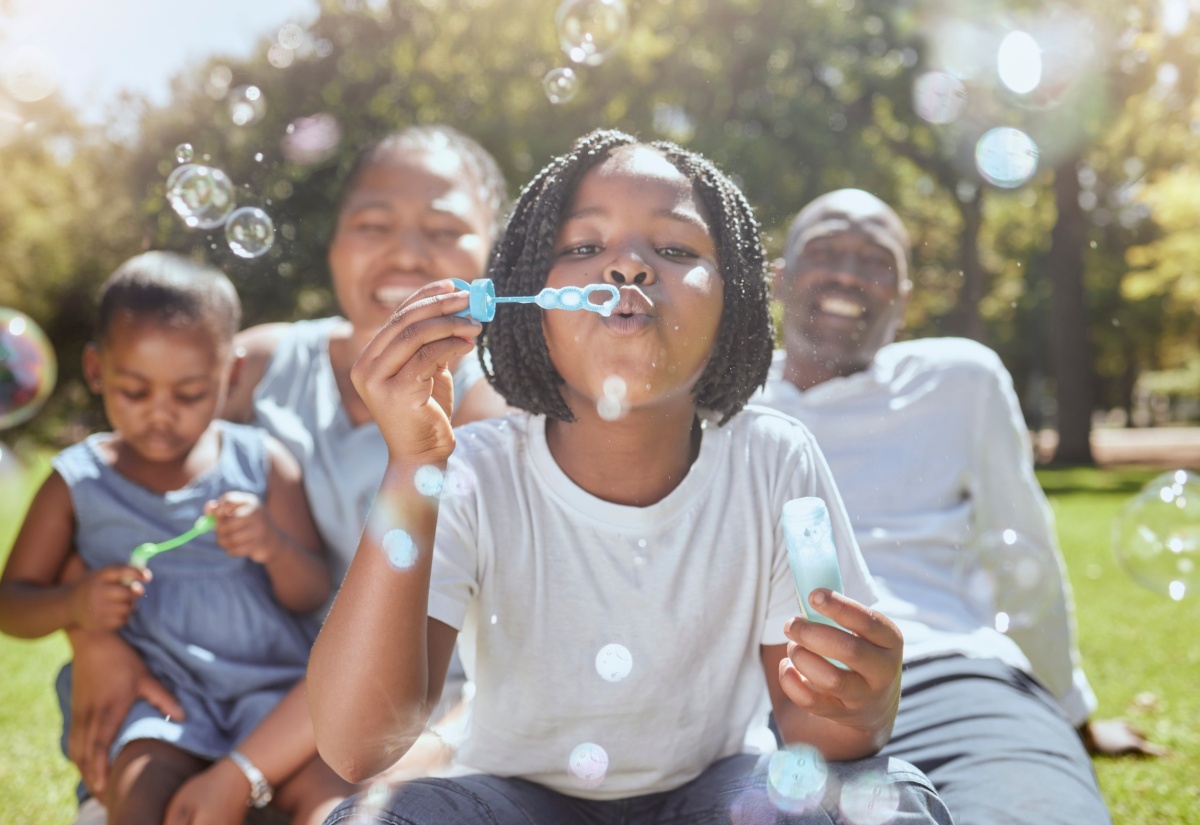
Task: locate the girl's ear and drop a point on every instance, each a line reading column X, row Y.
column 91, row 368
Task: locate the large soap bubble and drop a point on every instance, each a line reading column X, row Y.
column 249, row 232
column 939, row 97
column 590, row 30
column 1010, row 579
column 587, row 764
column 560, row 85
column 1019, row 62
column 28, row 367
column 796, row 778
column 201, row 195
column 1156, row 535
column 1006, row 157
column 246, row 105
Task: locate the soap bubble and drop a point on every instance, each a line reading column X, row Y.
column 590, row 30
column 375, row 800
column 614, row 662
column 752, row 807
column 246, row 105
column 1019, row 62
column 1010, row 579
column 588, row 765
column 939, row 97
column 1156, row 535
column 202, row 195
column 1006, row 157
column 869, row 799
column 184, row 153
column 460, row 481
column 28, row 367
column 429, row 480
column 29, row 74
column 249, row 232
column 796, row 778
column 217, row 85
column 290, row 36
column 311, row 139
column 400, row 549
column 611, row 405
column 561, row 85
column 280, row 56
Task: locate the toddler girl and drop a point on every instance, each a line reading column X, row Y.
column 221, row 620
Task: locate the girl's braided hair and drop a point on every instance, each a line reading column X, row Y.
column 513, row 347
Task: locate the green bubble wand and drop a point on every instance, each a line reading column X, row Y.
column 142, row 554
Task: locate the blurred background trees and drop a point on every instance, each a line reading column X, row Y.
column 1082, row 270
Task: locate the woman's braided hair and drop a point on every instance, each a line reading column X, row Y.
column 513, row 347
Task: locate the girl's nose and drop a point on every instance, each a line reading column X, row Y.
column 629, row 268
column 409, row 248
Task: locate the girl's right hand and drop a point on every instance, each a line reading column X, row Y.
column 103, row 599
column 403, row 374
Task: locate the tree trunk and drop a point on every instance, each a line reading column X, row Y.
column 965, row 320
column 1070, row 349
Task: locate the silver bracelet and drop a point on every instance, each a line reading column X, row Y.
column 260, row 790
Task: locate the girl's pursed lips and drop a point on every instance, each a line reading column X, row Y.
column 632, row 302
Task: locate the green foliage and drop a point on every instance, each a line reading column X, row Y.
column 794, row 98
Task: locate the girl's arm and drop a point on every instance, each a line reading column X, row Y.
column 280, row 535
column 32, row 601
column 846, row 714
column 377, row 668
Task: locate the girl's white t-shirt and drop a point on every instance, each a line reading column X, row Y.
column 616, row 649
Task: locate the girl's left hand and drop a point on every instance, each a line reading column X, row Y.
column 215, row 796
column 244, row 528
column 867, row 695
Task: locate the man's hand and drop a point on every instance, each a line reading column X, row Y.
column 1116, row 737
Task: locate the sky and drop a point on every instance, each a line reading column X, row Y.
column 100, row 47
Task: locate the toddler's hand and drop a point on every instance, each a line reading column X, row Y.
column 244, row 528
column 867, row 695
column 403, row 374
column 103, row 599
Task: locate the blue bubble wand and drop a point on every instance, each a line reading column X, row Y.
column 142, row 554
column 484, row 299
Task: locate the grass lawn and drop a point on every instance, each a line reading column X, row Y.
column 1137, row 646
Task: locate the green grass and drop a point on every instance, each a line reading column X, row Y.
column 1139, row 649
column 37, row 783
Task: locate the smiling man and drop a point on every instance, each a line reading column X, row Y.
column 930, row 452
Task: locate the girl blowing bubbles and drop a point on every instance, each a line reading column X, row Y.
column 216, row 619
column 621, row 583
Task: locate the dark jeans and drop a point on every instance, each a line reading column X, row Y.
column 995, row 744
column 734, row 791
